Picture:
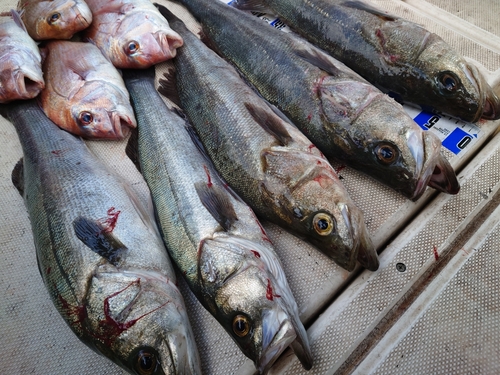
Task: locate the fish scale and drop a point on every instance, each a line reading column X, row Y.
column 98, row 250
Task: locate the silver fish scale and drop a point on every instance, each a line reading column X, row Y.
column 372, row 301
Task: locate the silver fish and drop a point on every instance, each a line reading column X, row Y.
column 213, row 236
column 396, row 55
column 21, row 74
column 99, row 252
column 347, row 118
column 264, row 158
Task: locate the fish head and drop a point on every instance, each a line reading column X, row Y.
column 57, row 19
column 317, row 205
column 383, row 141
column 450, row 84
column 101, row 111
column 20, row 77
column 142, row 39
column 135, row 319
column 248, row 301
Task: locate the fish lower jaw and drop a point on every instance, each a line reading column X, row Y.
column 282, row 339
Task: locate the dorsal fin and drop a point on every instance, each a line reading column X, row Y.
column 99, row 239
column 17, row 176
column 368, row 8
column 270, row 122
column 257, row 5
column 168, row 87
column 17, row 19
column 217, row 202
column 318, row 59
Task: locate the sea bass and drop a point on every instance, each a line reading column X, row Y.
column 84, row 92
column 264, row 158
column 396, row 55
column 21, row 74
column 54, row 19
column 99, row 252
column 343, row 115
column 132, row 34
column 213, row 236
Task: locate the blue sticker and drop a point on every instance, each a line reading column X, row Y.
column 457, row 140
column 426, row 120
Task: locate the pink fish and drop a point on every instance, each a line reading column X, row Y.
column 54, row 19
column 132, row 34
column 20, row 62
column 85, row 93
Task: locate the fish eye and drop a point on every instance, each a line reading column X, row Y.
column 386, row 153
column 86, row 118
column 241, row 325
column 448, row 82
column 323, row 224
column 146, row 362
column 53, row 18
column 132, row 47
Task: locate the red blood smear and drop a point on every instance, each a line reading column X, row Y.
column 269, row 291
column 264, row 237
column 110, row 327
column 111, row 220
column 57, row 152
column 309, row 116
column 76, row 313
column 49, row 270
column 340, row 168
column 255, row 253
column 209, row 183
column 435, row 251
column 322, row 180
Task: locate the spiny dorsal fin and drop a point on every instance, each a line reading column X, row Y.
column 368, row 8
column 17, row 176
column 318, row 59
column 168, row 87
column 99, row 239
column 270, row 122
column 217, row 202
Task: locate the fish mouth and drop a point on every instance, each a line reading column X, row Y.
column 443, row 177
column 278, row 334
column 83, row 15
column 168, row 42
column 122, row 125
column 432, row 168
column 491, row 109
column 24, row 84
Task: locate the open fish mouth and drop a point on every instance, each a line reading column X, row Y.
column 23, row 85
column 122, row 124
column 278, row 334
column 491, row 109
column 168, row 42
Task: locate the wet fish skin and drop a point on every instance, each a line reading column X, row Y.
column 396, row 55
column 84, row 93
column 132, row 34
column 21, row 74
column 99, row 252
column 54, row 19
column 264, row 158
column 343, row 115
column 212, row 235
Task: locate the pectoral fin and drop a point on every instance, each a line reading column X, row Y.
column 217, row 202
column 368, row 8
column 98, row 239
column 269, row 122
column 17, row 176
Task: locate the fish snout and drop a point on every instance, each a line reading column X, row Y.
column 20, row 84
column 122, row 124
column 491, row 109
column 83, row 17
column 168, row 41
column 278, row 334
